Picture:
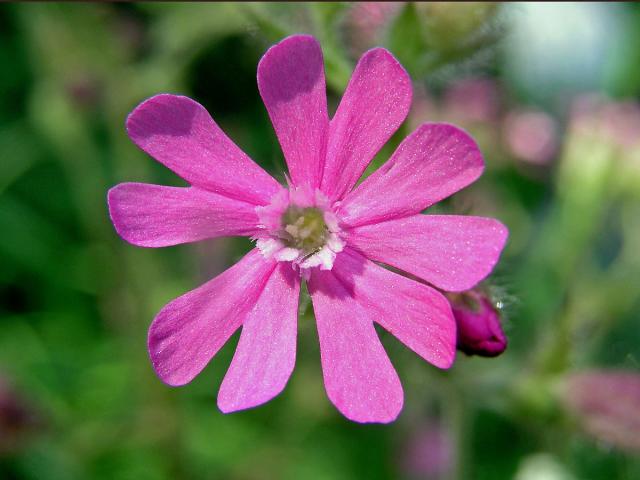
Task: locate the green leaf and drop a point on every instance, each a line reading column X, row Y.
column 406, row 39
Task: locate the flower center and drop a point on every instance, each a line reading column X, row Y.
column 304, row 229
column 300, row 226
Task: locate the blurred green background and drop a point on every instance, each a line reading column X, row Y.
column 550, row 91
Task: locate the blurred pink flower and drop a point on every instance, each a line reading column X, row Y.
column 531, row 136
column 479, row 327
column 366, row 21
column 606, row 403
column 321, row 229
column 429, row 453
column 617, row 121
column 472, row 100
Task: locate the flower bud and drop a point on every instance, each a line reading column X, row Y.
column 478, row 321
column 606, row 404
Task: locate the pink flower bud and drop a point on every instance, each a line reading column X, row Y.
column 478, row 322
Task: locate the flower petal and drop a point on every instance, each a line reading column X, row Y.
column 292, row 85
column 190, row 330
column 157, row 216
column 374, row 105
column 358, row 376
column 432, row 163
column 418, row 315
column 266, row 352
column 452, row 252
column 179, row 133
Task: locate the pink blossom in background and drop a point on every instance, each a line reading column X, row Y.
column 606, row 403
column 617, row 121
column 321, row 228
column 473, row 103
column 531, row 136
column 613, row 126
column 430, row 452
column 473, row 100
column 366, row 22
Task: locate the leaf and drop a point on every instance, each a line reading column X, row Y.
column 406, row 39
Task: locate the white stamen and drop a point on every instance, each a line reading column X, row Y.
column 269, row 246
column 287, row 254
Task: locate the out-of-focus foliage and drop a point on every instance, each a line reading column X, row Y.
column 549, row 91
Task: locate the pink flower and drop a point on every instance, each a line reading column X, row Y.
column 321, row 229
